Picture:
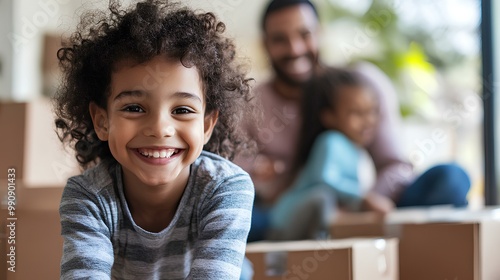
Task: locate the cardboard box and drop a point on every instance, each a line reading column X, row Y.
column 348, row 259
column 437, row 243
column 38, row 245
column 364, row 224
column 3, row 244
column 32, row 147
column 36, row 235
column 42, row 166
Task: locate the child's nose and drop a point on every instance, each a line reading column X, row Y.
column 159, row 126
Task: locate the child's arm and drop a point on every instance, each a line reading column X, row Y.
column 87, row 250
column 223, row 230
column 333, row 161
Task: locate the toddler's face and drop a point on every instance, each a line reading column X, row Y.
column 355, row 114
column 155, row 121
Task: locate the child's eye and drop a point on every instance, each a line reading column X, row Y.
column 133, row 109
column 181, row 110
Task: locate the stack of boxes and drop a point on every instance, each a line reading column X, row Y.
column 35, row 167
column 347, row 259
column 427, row 243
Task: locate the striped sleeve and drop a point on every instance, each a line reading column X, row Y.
column 87, row 249
column 223, row 230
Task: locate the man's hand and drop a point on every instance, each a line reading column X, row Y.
column 267, row 175
column 266, row 168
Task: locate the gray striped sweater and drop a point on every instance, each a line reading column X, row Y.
column 205, row 240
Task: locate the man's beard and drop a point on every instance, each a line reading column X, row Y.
column 282, row 75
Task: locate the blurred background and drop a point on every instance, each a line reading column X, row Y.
column 430, row 49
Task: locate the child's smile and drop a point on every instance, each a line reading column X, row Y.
column 155, row 121
column 158, row 156
column 158, row 153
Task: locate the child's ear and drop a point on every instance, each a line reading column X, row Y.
column 100, row 120
column 209, row 124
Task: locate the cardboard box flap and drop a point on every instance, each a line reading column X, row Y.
column 306, row 245
column 376, row 262
column 33, row 147
column 438, row 214
column 353, row 259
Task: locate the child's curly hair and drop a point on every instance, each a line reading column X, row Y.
column 148, row 29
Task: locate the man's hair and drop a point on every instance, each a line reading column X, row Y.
column 140, row 33
column 276, row 5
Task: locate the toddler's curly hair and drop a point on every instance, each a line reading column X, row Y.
column 141, row 32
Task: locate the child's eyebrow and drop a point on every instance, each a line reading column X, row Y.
column 127, row 93
column 187, row 95
column 139, row 93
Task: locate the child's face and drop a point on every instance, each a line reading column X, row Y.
column 155, row 121
column 355, row 114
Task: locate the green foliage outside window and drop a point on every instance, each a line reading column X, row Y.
column 416, row 55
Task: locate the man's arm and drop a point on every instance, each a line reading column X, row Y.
column 275, row 128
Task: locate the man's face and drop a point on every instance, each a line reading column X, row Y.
column 291, row 40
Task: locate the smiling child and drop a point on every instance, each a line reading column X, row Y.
column 150, row 103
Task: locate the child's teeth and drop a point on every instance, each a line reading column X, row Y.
column 169, row 154
column 158, row 154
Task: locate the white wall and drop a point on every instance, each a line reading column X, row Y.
column 23, row 24
column 6, row 27
column 32, row 19
column 242, row 19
